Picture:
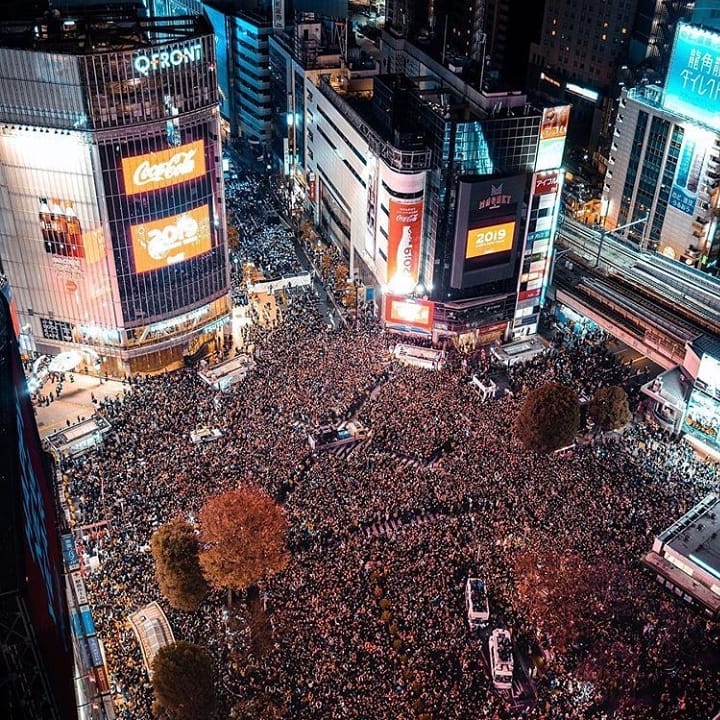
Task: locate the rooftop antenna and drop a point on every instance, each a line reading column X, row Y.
column 444, row 40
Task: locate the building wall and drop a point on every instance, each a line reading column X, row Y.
column 252, row 77
column 338, row 155
column 665, row 166
column 358, row 191
column 52, row 282
column 113, row 232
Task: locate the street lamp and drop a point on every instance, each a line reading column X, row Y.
column 603, row 232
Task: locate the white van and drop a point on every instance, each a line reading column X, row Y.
column 476, row 602
column 501, row 659
column 205, row 434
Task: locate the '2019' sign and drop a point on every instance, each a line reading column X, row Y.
column 163, row 59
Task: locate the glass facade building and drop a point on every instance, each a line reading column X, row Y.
column 113, row 229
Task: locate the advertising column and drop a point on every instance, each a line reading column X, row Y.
column 399, row 229
column 404, row 236
column 537, row 255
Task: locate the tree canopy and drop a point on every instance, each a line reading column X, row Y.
column 182, row 680
column 557, row 590
column 177, row 568
column 243, row 536
column 609, row 408
column 549, row 418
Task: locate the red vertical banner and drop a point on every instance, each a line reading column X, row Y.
column 404, row 236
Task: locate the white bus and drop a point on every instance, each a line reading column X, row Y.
column 476, row 602
column 501, row 659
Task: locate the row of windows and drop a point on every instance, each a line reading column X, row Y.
column 124, row 88
column 355, row 151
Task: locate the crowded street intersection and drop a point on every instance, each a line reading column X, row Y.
column 441, row 489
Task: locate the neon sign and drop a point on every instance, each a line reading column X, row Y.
column 163, row 59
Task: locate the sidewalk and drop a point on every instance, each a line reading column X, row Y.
column 74, row 402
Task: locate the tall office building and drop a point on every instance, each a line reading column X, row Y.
column 472, row 35
column 113, row 232
column 36, row 659
column 443, row 198
column 664, row 160
column 580, row 51
column 312, row 45
column 587, row 51
column 242, row 29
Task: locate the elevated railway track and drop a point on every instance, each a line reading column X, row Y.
column 652, row 303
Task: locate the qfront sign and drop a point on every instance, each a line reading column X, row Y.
column 150, row 62
column 155, row 170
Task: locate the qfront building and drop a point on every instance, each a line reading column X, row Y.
column 112, row 229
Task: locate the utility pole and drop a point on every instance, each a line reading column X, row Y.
column 604, row 232
column 557, row 254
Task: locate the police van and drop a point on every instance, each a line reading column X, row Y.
column 476, row 602
column 502, row 663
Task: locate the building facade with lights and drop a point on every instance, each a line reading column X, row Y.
column 442, row 197
column 113, row 229
column 664, row 160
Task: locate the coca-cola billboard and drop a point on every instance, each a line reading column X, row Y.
column 143, row 173
column 404, row 237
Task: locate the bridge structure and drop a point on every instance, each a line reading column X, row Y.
column 653, row 304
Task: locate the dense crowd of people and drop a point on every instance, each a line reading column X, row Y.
column 373, row 624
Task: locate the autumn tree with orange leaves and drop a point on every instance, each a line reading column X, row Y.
column 559, row 591
column 243, row 538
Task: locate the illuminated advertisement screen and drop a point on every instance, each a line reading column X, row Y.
column 490, row 239
column 60, row 227
column 163, row 168
column 404, row 235
column 546, row 183
column 708, row 377
column 702, row 417
column 486, row 229
column 172, row 240
column 691, row 83
column 553, row 131
column 683, row 192
column 401, row 312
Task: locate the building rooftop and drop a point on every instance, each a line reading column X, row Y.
column 695, row 535
column 97, row 30
column 706, row 345
column 686, row 556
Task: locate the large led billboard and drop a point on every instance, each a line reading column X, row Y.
column 486, row 229
column 702, row 417
column 403, row 313
column 692, row 83
column 490, row 239
column 163, row 168
column 553, row 131
column 404, row 235
column 683, row 193
column 708, row 376
column 160, row 243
